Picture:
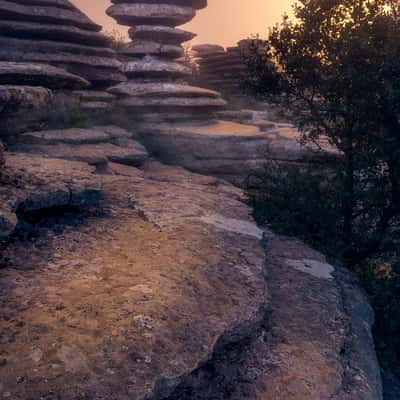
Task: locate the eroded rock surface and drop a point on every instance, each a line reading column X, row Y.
column 137, row 296
column 31, row 183
column 315, row 344
column 55, row 33
column 96, row 146
column 229, row 149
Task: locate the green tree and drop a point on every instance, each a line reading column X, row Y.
column 339, row 65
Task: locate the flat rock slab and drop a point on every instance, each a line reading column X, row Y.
column 315, row 344
column 95, row 146
column 320, row 343
column 131, row 153
column 36, row 74
column 227, row 149
column 98, row 134
column 128, row 303
column 32, row 183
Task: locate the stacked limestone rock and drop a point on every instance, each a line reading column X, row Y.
column 222, row 69
column 55, row 32
column 157, row 80
column 40, row 34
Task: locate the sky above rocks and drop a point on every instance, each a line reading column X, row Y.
column 223, row 22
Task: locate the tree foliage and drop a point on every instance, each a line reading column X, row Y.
column 339, row 67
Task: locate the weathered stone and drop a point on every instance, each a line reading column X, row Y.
column 207, row 49
column 160, row 34
column 131, row 153
column 175, row 263
column 156, row 60
column 70, row 136
column 59, row 34
column 227, row 149
column 141, row 48
column 96, row 146
column 48, row 13
column 33, row 183
column 149, row 13
column 154, row 67
column 161, row 89
column 213, row 61
column 39, row 75
column 171, row 102
column 23, row 108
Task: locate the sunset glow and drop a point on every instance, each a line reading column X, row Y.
column 224, row 21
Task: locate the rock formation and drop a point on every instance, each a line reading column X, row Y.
column 231, row 150
column 163, row 290
column 56, row 33
column 95, row 146
column 222, row 69
column 156, row 83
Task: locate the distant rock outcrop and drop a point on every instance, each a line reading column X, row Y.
column 156, row 85
column 222, row 69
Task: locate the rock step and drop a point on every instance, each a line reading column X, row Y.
column 42, row 184
column 69, row 136
column 58, row 33
column 96, row 146
column 197, row 4
column 168, row 260
column 8, row 44
column 142, row 48
column 151, row 14
column 35, row 74
column 92, row 154
column 229, row 150
column 171, row 102
column 160, row 34
column 161, row 89
column 155, row 67
column 46, row 14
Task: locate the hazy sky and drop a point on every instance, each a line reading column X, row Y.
column 223, row 21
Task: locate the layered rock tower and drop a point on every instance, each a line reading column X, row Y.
column 157, row 84
column 222, row 69
column 55, row 33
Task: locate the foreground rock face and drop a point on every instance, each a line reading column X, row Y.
column 137, row 296
column 55, row 33
column 31, row 183
column 229, row 150
column 160, row 292
column 315, row 344
column 154, row 72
